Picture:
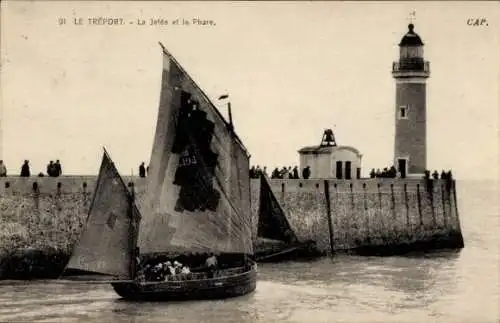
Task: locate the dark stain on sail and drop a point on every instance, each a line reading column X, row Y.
column 197, row 162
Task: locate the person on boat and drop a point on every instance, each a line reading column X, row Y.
column 158, row 272
column 140, row 275
column 139, row 271
column 185, row 270
column 137, row 257
column 164, row 267
column 147, row 272
column 171, row 269
column 211, row 264
column 177, row 267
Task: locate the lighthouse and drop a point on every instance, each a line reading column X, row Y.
column 410, row 73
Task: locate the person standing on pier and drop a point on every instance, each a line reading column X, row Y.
column 50, row 169
column 58, row 169
column 3, row 169
column 306, row 172
column 142, row 170
column 25, row 169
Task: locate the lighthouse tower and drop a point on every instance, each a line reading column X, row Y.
column 411, row 73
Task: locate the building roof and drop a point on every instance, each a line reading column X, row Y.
column 411, row 38
column 326, row 149
column 316, row 150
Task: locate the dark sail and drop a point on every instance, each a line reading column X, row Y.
column 273, row 223
column 106, row 244
column 197, row 195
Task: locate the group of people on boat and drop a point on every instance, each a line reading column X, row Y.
column 174, row 270
column 163, row 271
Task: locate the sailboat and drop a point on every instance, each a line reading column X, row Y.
column 276, row 239
column 196, row 204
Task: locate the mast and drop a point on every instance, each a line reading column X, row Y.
column 133, row 231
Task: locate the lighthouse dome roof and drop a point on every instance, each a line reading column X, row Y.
column 411, row 38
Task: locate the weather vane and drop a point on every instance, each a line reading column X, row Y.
column 412, row 16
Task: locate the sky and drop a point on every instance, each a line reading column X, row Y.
column 292, row 69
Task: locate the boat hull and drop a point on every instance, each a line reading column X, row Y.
column 220, row 287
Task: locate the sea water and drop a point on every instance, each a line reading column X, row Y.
column 436, row 287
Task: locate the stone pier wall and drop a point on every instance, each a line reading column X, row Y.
column 47, row 214
column 370, row 213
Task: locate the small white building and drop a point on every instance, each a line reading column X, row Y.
column 331, row 161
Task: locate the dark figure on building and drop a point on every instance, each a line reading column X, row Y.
column 258, row 172
column 289, row 173
column 286, row 172
column 435, row 175
column 264, row 170
column 58, row 168
column 275, row 173
column 255, row 172
column 25, row 169
column 392, row 172
column 306, row 172
column 443, row 174
column 372, row 173
column 252, row 172
column 295, row 172
column 147, row 170
column 427, row 174
column 142, row 170
column 50, row 167
column 54, row 169
column 3, row 169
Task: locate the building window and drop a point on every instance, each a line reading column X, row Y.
column 347, row 170
column 338, row 171
column 403, row 112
